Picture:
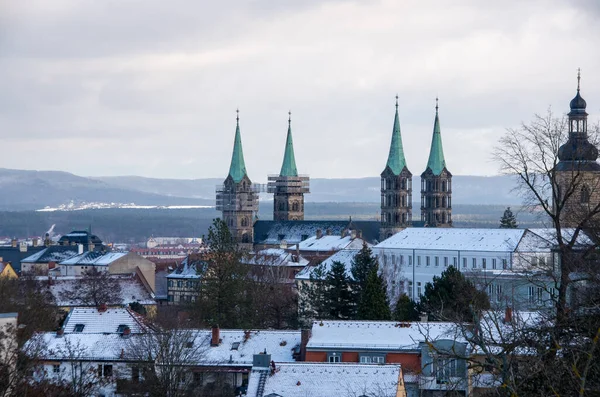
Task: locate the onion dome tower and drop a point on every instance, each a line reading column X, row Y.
column 436, row 183
column 396, row 187
column 577, row 172
column 236, row 198
column 288, row 187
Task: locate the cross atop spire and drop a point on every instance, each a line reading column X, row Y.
column 289, row 118
column 237, row 116
column 436, row 104
column 396, row 102
column 578, row 78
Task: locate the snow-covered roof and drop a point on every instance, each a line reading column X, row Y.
column 345, row 256
column 550, row 235
column 93, row 258
column 279, row 344
column 54, row 253
column 84, row 346
column 276, row 257
column 330, row 243
column 187, row 269
column 95, row 321
column 457, row 239
column 327, row 379
column 378, row 335
column 132, row 290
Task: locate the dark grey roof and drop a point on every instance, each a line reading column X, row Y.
column 293, row 232
column 14, row 256
column 53, row 253
column 79, row 237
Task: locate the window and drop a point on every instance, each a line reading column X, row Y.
column 170, row 298
column 504, row 264
column 179, row 284
column 464, row 263
column 79, row 327
column 56, row 368
column 539, row 297
column 531, row 294
column 498, row 293
column 494, row 264
column 235, row 345
column 474, row 264
column 105, row 370
column 585, row 195
column 410, row 289
column 437, row 261
column 410, row 261
column 427, row 261
column 446, row 261
column 483, row 263
column 444, row 368
column 402, row 259
column 135, row 374
column 418, row 288
column 372, row 359
column 334, row 357
column 418, row 261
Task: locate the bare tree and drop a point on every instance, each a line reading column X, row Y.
column 165, row 358
column 94, row 288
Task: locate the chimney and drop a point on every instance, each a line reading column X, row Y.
column 23, row 246
column 91, row 247
column 126, row 332
column 353, row 234
column 328, row 232
column 51, row 265
column 319, row 233
column 215, row 339
column 508, row 315
column 305, row 335
column 283, row 245
column 102, row 308
column 35, row 242
column 80, row 249
column 424, row 317
column 13, row 243
column 60, row 332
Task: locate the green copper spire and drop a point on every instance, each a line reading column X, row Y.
column 288, row 168
column 237, row 169
column 436, row 155
column 396, row 160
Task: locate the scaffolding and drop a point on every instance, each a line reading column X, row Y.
column 237, row 198
column 288, row 184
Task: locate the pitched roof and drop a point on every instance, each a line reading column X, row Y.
column 276, row 257
column 84, row 346
column 237, row 169
column 436, row 162
column 288, row 168
column 293, row 232
column 93, row 258
column 457, row 239
column 95, row 321
column 132, row 290
column 327, row 379
column 188, row 268
column 281, row 345
column 345, row 256
column 330, row 243
column 14, row 256
column 378, row 335
column 53, row 253
column 396, row 160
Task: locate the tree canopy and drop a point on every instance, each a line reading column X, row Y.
column 374, row 304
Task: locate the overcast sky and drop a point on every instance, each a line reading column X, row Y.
column 150, row 87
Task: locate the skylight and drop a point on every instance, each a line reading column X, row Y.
column 79, row 327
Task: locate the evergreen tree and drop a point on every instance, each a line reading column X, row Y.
column 406, row 309
column 338, row 293
column 508, row 220
column 451, row 297
column 374, row 304
column 362, row 264
column 313, row 300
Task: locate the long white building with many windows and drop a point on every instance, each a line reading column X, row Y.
column 508, row 263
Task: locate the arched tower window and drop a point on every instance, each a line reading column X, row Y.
column 244, row 222
column 295, row 206
column 585, row 195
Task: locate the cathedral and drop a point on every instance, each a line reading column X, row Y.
column 577, row 176
column 237, row 198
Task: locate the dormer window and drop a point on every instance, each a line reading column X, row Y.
column 235, row 345
column 121, row 328
column 79, row 327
